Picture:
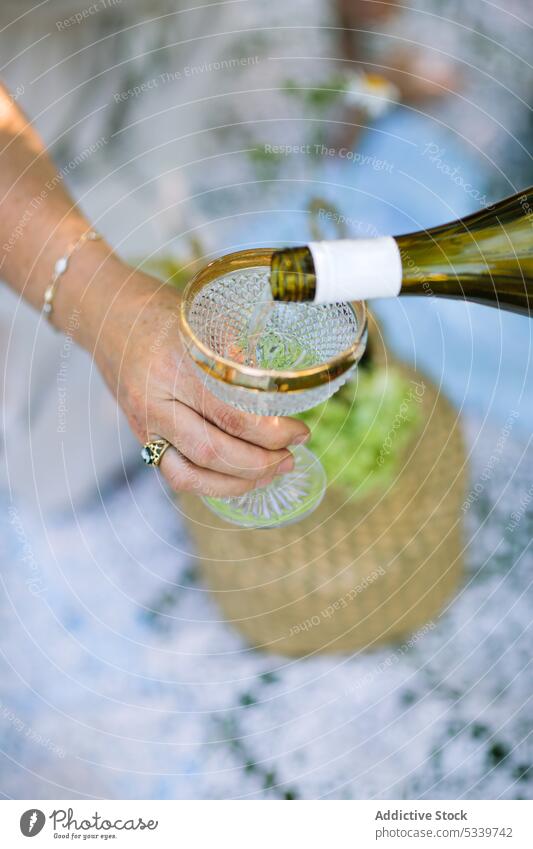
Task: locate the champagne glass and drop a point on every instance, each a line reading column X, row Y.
column 269, row 358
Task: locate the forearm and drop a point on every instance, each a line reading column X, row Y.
column 122, row 317
column 39, row 221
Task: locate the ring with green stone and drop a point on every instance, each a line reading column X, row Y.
column 152, row 452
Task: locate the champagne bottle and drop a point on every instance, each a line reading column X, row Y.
column 486, row 257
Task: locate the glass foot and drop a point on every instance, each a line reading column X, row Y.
column 287, row 499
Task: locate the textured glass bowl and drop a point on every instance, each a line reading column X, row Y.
column 271, row 359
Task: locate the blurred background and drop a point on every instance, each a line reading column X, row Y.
column 187, row 130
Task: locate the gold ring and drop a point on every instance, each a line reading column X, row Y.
column 152, row 452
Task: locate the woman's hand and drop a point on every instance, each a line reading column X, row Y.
column 217, row 451
column 129, row 322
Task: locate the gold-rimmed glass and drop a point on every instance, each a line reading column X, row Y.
column 272, row 359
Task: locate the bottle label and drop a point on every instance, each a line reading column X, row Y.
column 356, row 269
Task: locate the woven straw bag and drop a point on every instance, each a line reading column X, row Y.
column 357, row 572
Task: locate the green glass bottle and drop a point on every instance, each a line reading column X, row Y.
column 486, row 257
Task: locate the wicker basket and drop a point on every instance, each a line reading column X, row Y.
column 356, row 572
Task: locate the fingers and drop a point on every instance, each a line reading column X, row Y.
column 271, row 432
column 209, row 447
column 184, row 476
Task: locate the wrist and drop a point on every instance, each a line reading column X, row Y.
column 99, row 303
column 86, row 292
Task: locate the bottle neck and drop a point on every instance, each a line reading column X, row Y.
column 486, row 257
column 356, row 269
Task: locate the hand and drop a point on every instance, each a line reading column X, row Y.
column 129, row 323
column 216, row 450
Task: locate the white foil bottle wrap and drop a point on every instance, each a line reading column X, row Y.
column 356, row 269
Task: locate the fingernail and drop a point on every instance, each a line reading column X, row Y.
column 286, row 465
column 299, row 440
